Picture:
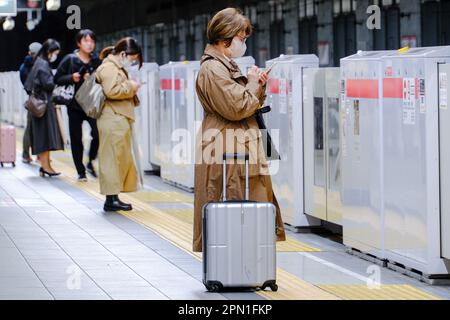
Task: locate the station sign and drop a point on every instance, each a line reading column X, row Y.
column 8, row 8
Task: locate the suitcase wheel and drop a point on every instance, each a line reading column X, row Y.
column 14, row 164
column 1, row 164
column 214, row 287
column 270, row 284
column 274, row 287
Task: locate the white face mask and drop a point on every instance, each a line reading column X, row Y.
column 237, row 48
column 53, row 58
column 127, row 64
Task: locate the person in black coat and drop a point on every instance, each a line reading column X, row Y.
column 73, row 70
column 25, row 69
column 45, row 131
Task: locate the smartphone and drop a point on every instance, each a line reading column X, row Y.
column 270, row 69
column 83, row 71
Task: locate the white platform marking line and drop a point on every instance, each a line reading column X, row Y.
column 336, row 267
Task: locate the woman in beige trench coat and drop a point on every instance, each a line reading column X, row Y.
column 116, row 163
column 230, row 101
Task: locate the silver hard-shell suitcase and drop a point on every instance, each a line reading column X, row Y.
column 239, row 241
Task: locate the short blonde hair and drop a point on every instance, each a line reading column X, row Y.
column 227, row 24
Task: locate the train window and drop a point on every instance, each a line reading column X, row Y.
column 307, row 8
column 337, row 6
column 190, row 47
column 190, row 40
column 173, row 48
column 277, row 31
column 159, row 51
column 344, row 6
column 307, row 27
column 252, row 42
column 344, row 29
column 435, row 22
column 388, row 37
column 344, row 36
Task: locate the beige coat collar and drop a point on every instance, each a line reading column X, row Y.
column 212, row 52
column 116, row 61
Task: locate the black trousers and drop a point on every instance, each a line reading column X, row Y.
column 27, row 138
column 76, row 119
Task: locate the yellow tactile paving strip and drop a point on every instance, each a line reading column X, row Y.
column 291, row 245
column 177, row 229
column 182, row 214
column 169, row 197
column 384, row 292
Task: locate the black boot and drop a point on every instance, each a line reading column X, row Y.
column 114, row 204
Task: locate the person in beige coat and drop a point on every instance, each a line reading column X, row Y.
column 117, row 166
column 230, row 101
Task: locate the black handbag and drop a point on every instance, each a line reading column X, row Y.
column 269, row 148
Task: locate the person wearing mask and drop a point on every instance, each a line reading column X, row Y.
column 24, row 70
column 73, row 70
column 46, row 136
column 117, row 168
column 230, row 101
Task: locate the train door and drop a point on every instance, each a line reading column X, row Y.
column 322, row 145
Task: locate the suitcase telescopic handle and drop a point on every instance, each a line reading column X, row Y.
column 236, row 156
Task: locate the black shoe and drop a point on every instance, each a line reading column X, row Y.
column 44, row 173
column 27, row 160
column 91, row 170
column 82, row 177
column 113, row 204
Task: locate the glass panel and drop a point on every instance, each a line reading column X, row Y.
column 334, row 144
column 337, row 6
column 310, row 8
column 302, row 10
column 319, row 153
column 346, row 6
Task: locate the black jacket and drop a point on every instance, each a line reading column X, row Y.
column 72, row 64
column 25, row 68
column 40, row 80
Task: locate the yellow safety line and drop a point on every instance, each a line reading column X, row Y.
column 163, row 196
column 383, row 292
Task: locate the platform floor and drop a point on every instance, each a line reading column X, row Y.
column 57, row 243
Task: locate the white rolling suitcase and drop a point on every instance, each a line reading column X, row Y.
column 239, row 241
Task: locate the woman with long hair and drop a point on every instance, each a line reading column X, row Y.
column 46, row 136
